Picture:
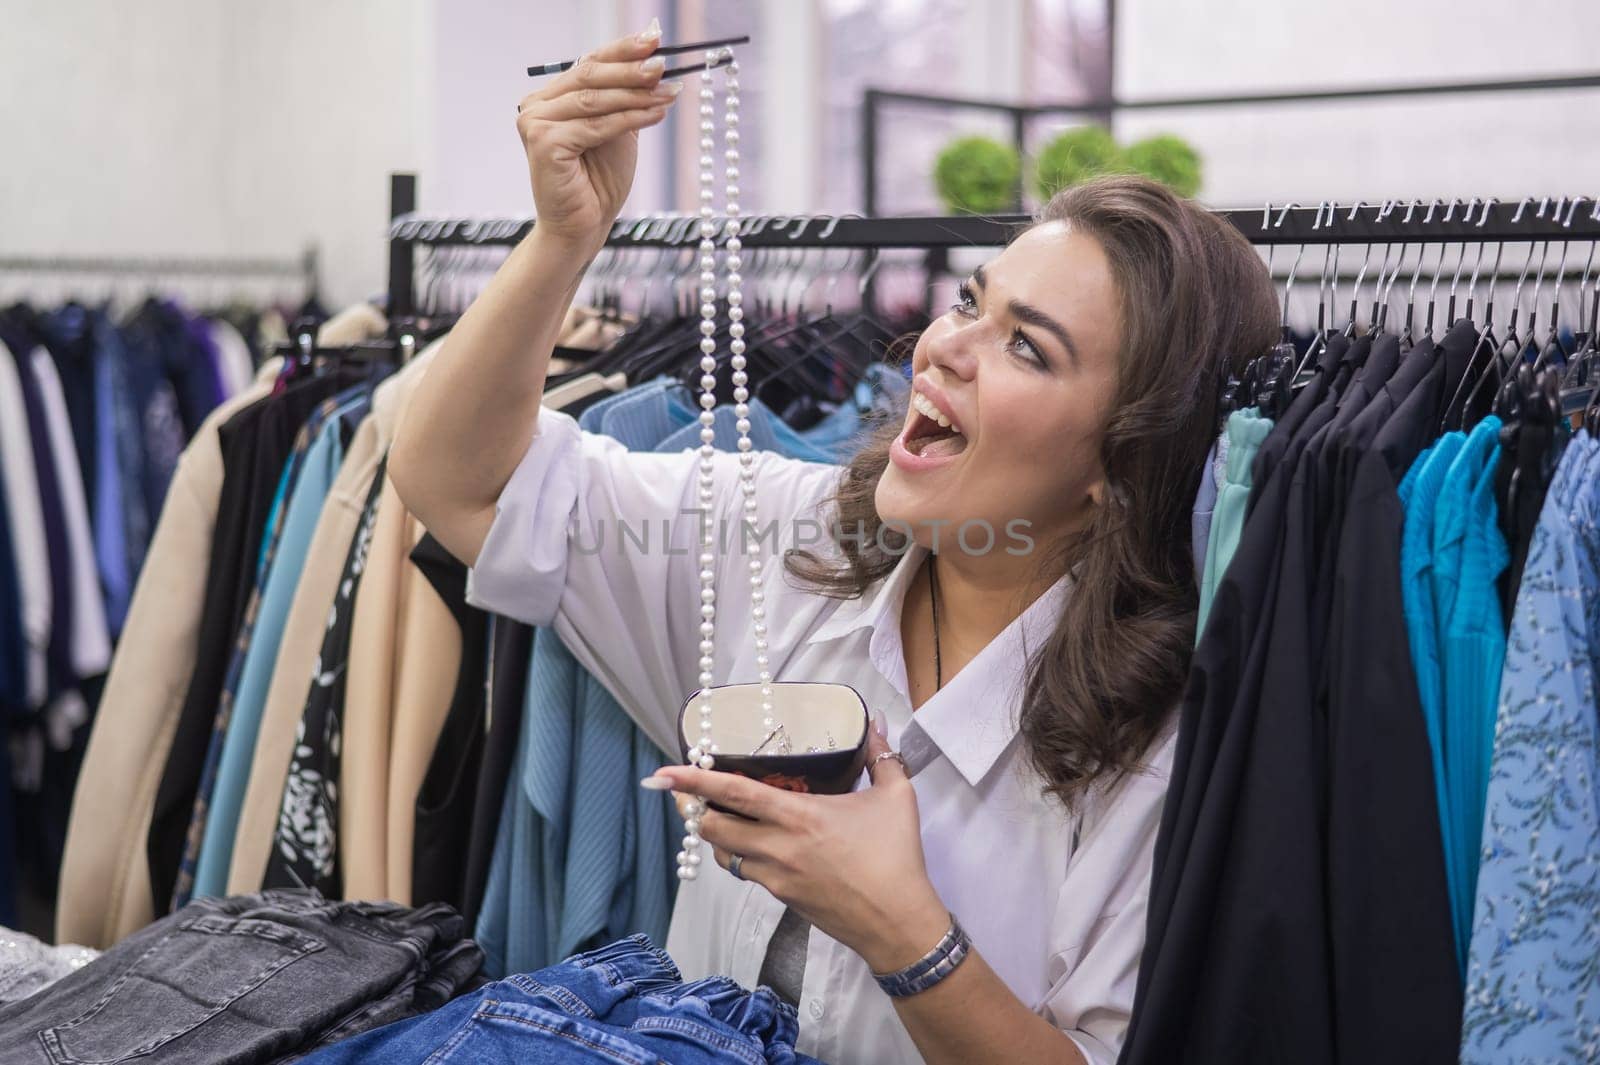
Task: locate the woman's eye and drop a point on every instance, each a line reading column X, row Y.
column 965, row 301
column 1021, row 343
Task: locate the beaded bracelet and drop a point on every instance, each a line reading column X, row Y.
column 931, row 968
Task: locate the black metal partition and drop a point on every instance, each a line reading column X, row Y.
column 1103, row 111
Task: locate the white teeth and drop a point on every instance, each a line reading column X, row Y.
column 923, row 405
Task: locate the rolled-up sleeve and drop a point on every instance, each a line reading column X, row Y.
column 602, row 544
column 522, row 565
column 1098, row 930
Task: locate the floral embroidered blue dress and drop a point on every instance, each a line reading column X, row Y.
column 1533, row 983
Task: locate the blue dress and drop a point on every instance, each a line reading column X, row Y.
column 1533, row 978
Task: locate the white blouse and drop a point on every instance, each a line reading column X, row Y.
column 602, row 544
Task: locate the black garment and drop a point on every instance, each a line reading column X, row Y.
column 1201, row 996
column 1254, row 910
column 1395, row 984
column 1284, row 429
column 510, row 648
column 255, row 444
column 1337, row 469
column 69, row 338
column 249, row 980
column 448, row 796
column 305, row 847
column 1528, row 458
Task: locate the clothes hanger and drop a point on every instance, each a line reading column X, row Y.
column 1380, row 290
column 1553, row 341
column 809, row 356
column 1231, row 387
column 1408, row 339
column 1319, row 340
column 1361, row 275
column 1454, row 410
column 1380, row 308
column 1450, row 309
column 1517, row 389
column 1433, row 289
column 1275, row 377
column 1575, row 380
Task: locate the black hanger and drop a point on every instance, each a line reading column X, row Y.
column 828, row 343
column 1467, row 388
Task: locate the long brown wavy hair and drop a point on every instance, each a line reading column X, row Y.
column 1196, row 304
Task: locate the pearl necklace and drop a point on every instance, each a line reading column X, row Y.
column 704, row 751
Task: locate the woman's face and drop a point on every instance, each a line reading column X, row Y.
column 1024, row 367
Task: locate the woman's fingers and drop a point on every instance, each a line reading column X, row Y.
column 751, row 869
column 579, row 135
column 759, row 802
column 737, row 834
column 620, row 64
column 594, row 103
column 883, row 765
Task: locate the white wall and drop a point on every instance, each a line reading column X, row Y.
column 188, row 127
column 1507, row 145
column 237, row 127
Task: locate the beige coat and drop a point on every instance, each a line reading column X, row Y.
column 405, row 650
column 105, row 877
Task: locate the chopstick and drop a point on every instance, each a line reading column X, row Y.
column 666, row 49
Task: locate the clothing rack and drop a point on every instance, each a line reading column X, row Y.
column 304, row 266
column 1394, row 221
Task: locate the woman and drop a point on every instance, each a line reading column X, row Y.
column 1034, row 666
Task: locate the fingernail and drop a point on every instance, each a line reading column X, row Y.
column 880, row 724
column 651, row 32
column 656, row 784
column 668, row 89
column 653, row 64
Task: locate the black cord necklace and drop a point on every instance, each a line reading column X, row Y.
column 933, row 597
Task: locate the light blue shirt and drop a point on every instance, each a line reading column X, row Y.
column 1533, row 977
column 1246, row 429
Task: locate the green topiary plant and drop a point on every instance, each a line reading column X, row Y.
column 1168, row 159
column 1074, row 156
column 977, row 174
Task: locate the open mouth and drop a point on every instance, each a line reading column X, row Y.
column 931, row 434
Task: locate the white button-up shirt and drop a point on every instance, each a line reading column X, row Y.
column 600, row 543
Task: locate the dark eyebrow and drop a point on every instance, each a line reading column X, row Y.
column 1031, row 315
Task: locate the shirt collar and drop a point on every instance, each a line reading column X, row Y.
column 974, row 717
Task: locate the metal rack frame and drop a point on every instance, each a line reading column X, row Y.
column 1391, row 222
column 305, row 266
column 1103, row 111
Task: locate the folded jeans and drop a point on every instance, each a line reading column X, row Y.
column 249, row 979
column 625, row 1002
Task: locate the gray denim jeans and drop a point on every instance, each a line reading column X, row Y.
column 253, row 979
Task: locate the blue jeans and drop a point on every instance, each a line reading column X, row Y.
column 624, row 1003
